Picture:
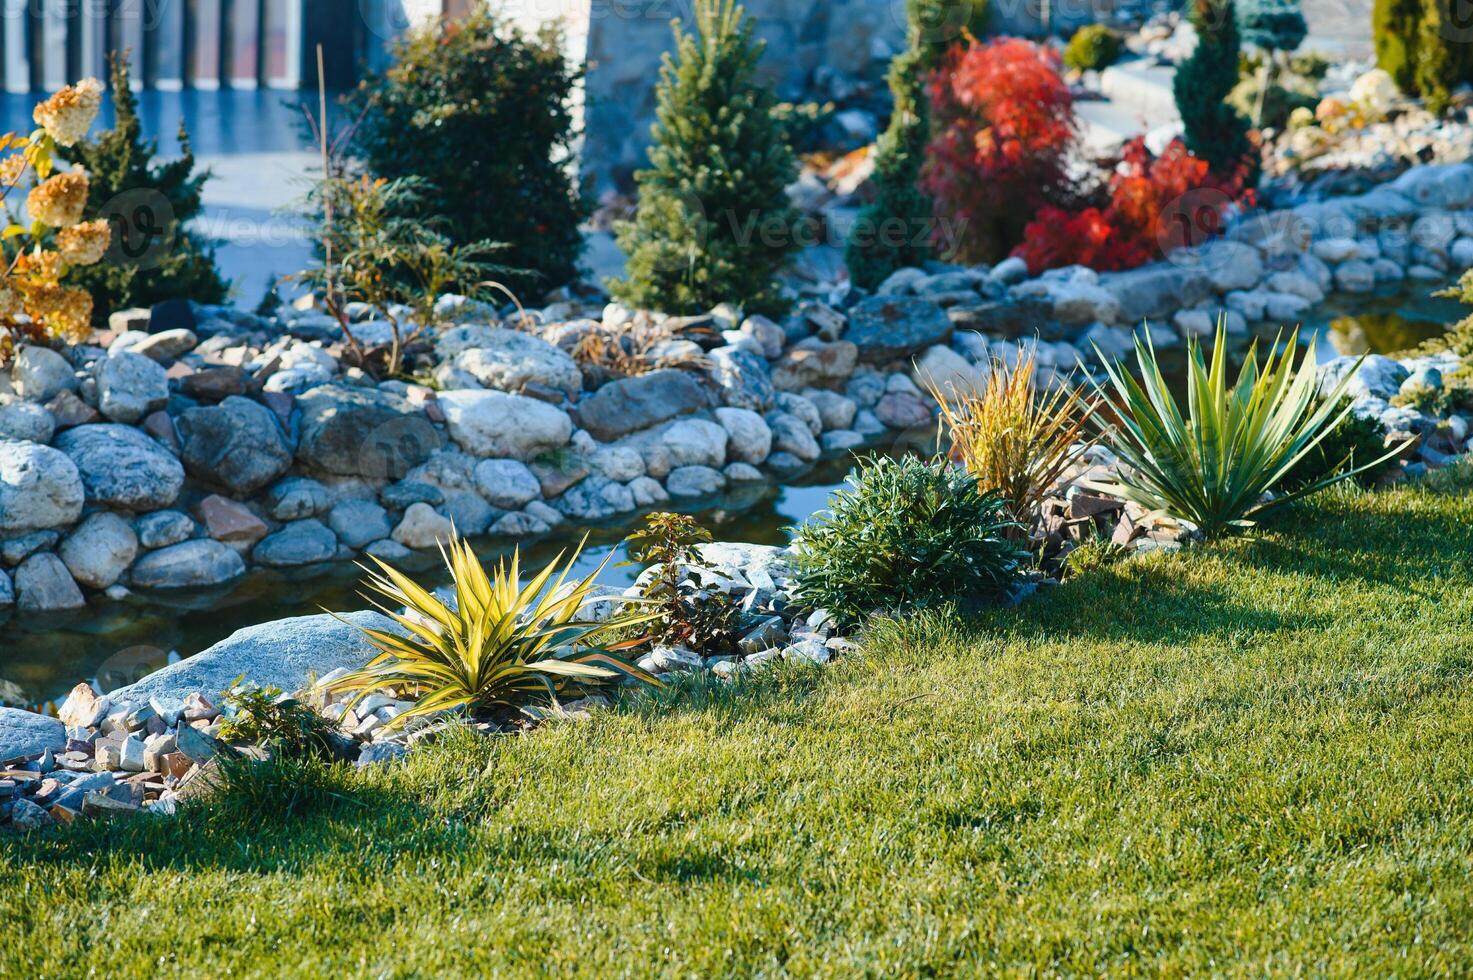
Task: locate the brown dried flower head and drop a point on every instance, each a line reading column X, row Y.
column 12, row 169
column 59, row 200
column 68, row 114
column 64, row 312
column 86, row 243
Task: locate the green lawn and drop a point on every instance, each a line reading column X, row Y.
column 1253, row 758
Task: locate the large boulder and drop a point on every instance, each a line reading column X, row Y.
column 278, row 654
column 508, row 360
column 507, row 483
column 24, row 733
column 129, row 386
column 25, row 421
column 122, row 467
column 630, row 404
column 1442, row 186
column 196, row 564
column 743, row 378
column 749, row 438
column 1157, row 290
column 100, row 550
column 39, row 488
column 236, row 445
column 886, row 327
column 494, row 423
column 350, row 431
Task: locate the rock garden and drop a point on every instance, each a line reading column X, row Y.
column 1086, row 438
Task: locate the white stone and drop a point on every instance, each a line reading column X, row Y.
column 1336, row 250
column 423, row 527
column 619, row 463
column 507, row 483
column 1355, row 277
column 647, row 491
column 39, row 488
column 40, row 374
column 493, row 423
column 100, row 550
column 695, row 442
column 749, row 438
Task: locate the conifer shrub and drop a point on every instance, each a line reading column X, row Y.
column 1213, row 130
column 895, row 230
column 1425, row 46
column 479, row 114
column 713, row 223
column 154, row 255
column 1092, row 48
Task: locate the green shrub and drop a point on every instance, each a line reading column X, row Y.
column 265, row 716
column 1210, row 465
column 714, row 223
column 894, row 230
column 686, row 612
column 905, row 534
column 1415, row 44
column 141, row 200
column 1286, row 92
column 1213, row 130
column 481, row 113
column 1273, row 25
column 1356, row 439
column 1092, row 48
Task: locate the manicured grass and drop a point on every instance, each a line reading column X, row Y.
column 1253, row 758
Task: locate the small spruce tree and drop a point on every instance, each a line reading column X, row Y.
column 714, row 223
column 894, row 230
column 149, row 207
column 1423, row 45
column 1213, row 130
column 1276, row 27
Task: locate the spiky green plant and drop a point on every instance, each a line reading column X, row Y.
column 501, row 646
column 1211, row 466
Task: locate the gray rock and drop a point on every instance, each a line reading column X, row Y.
column 630, row 404
column 351, row 431
column 749, row 438
column 196, row 564
column 743, row 378
column 743, row 473
column 423, row 527
column 358, row 523
column 121, row 467
column 25, row 733
column 791, row 434
column 1230, row 265
column 1437, row 186
column 400, row 495
column 39, row 488
column 1356, row 277
column 166, row 345
column 647, row 491
column 1379, row 376
column 39, row 374
column 297, row 497
column 619, row 463
column 595, row 498
column 7, row 591
column 100, row 550
column 694, row 442
column 1156, row 291
column 769, row 335
column 15, row 550
column 508, row 360
column 304, row 542
column 163, row 528
column 838, row 440
column 43, row 584
column 494, row 423
column 25, row 421
column 129, row 386
column 694, row 481
column 387, row 549
column 468, row 511
column 902, row 410
column 835, row 411
column 278, row 654
column 518, row 524
column 236, row 445
column 507, row 483
column 883, row 328
column 814, row 362
column 800, row 407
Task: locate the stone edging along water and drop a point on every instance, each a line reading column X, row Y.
column 198, row 440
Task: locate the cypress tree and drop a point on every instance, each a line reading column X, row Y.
column 893, row 231
column 149, row 207
column 1214, row 130
column 714, row 223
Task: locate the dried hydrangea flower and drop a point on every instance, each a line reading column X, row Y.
column 59, row 200
column 41, row 264
column 65, row 312
column 85, row 244
column 12, row 169
column 68, row 114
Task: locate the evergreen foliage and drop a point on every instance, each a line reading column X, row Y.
column 1214, row 130
column 714, row 223
column 1425, row 46
column 154, row 256
column 894, row 230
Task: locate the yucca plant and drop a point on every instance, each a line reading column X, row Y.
column 1012, row 437
column 502, row 645
column 1212, row 467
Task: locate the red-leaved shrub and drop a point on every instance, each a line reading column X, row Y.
column 1156, row 204
column 1003, row 124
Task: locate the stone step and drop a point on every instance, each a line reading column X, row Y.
column 1142, row 87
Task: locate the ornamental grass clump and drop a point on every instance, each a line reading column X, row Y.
column 36, row 255
column 499, row 646
column 906, row 534
column 1213, row 466
column 1013, row 437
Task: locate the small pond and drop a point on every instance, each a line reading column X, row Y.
column 41, row 657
